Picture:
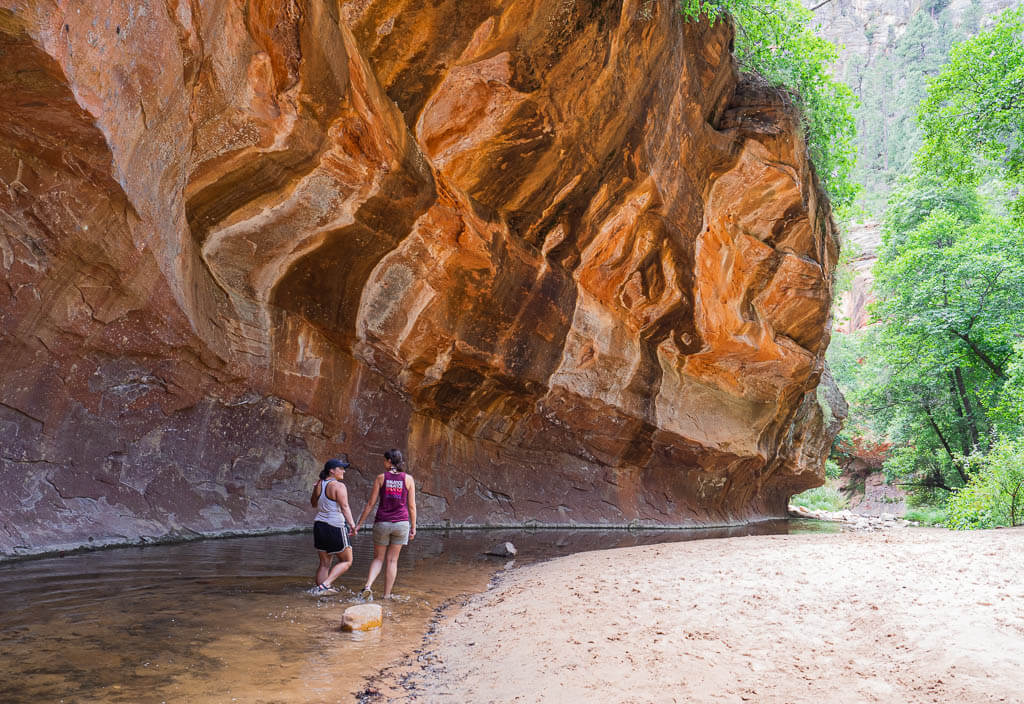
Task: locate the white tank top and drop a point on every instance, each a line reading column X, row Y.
column 328, row 509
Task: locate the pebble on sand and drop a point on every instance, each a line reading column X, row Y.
column 362, row 617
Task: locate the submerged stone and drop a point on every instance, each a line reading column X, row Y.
column 505, row 549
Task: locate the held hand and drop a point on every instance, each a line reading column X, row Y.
column 412, row 532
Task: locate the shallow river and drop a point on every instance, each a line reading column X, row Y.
column 230, row 620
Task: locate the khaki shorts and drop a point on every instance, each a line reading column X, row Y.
column 388, row 533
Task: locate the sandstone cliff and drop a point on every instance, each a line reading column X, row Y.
column 555, row 250
column 851, row 312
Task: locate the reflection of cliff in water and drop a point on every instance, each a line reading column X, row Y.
column 214, row 620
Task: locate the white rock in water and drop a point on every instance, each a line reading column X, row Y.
column 503, row 550
column 363, row 617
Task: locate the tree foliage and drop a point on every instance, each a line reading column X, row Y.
column 994, row 496
column 890, row 79
column 951, row 300
column 773, row 39
column 943, row 377
column 973, row 117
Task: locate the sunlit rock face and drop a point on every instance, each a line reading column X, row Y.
column 555, row 251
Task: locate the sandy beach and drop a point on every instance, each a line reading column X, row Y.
column 904, row 615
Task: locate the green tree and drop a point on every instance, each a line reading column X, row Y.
column 941, row 375
column 890, row 80
column 774, row 40
column 973, row 117
column 950, row 282
column 857, row 371
column 1008, row 414
column 916, row 198
column 972, row 19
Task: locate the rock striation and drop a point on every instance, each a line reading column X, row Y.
column 559, row 252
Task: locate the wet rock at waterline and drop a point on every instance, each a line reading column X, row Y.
column 854, row 521
column 505, row 549
column 559, row 253
column 362, row 617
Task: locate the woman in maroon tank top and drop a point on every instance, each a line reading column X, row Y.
column 394, row 492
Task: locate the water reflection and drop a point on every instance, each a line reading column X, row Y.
column 229, row 620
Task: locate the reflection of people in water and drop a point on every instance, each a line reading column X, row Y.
column 332, row 525
column 394, row 492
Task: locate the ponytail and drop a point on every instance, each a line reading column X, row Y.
column 395, row 458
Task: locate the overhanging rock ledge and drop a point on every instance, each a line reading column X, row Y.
column 559, row 252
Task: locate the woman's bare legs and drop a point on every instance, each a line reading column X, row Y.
column 392, row 568
column 344, row 562
column 379, row 552
column 324, row 567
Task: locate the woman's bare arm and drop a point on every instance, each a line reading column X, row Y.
column 371, row 502
column 340, row 495
column 411, row 486
column 316, row 495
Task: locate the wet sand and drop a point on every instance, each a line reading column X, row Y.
column 905, row 615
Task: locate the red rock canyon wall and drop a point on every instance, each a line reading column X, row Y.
column 554, row 250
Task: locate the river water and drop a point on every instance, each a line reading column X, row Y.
column 229, row 620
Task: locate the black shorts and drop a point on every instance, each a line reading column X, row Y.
column 328, row 538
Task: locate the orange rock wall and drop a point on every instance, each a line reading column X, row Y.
column 555, row 251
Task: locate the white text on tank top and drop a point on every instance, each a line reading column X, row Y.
column 328, row 509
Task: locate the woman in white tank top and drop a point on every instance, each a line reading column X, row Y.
column 332, row 525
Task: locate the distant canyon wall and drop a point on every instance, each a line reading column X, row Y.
column 852, row 312
column 556, row 251
column 866, row 29
column 875, row 51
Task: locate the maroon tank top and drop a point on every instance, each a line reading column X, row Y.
column 394, row 499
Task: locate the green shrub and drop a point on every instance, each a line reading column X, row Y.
column 822, row 498
column 971, row 508
column 927, row 515
column 832, row 469
column 994, row 496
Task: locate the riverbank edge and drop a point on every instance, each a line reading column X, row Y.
column 175, row 538
column 390, row 681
